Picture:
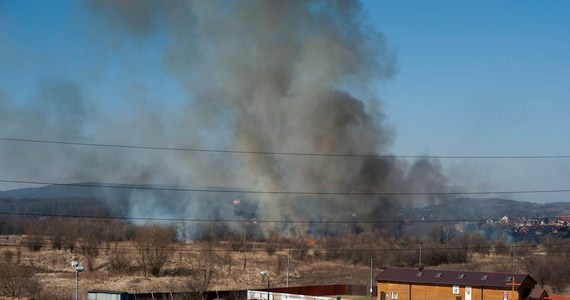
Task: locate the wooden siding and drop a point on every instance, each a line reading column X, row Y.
column 433, row 292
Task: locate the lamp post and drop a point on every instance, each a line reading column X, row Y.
column 266, row 275
column 75, row 265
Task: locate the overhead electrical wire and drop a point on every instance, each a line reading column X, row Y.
column 407, row 221
column 259, row 152
column 178, row 249
column 348, row 155
column 160, row 187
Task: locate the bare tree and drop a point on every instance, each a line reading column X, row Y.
column 34, row 239
column 70, row 235
column 202, row 274
column 54, row 229
column 501, row 248
column 16, row 281
column 152, row 243
column 89, row 244
column 280, row 263
column 560, row 276
column 228, row 260
column 8, row 256
column 441, row 233
column 120, row 262
column 539, row 266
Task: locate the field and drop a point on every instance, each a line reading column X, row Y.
column 231, row 270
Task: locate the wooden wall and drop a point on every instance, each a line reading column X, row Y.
column 433, row 292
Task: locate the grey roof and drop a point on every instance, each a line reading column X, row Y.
column 106, row 292
column 461, row 278
column 536, row 294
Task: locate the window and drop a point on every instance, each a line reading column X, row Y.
column 508, row 279
column 460, row 276
column 438, row 275
column 455, row 289
column 484, row 277
column 393, row 295
column 420, row 274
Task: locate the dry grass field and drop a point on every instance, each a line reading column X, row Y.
column 232, row 269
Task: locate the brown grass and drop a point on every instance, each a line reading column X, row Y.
column 58, row 278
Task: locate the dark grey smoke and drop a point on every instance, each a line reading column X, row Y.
column 274, row 76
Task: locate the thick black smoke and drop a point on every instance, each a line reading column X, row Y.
column 272, row 76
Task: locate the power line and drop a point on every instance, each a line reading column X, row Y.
column 69, row 216
column 178, row 249
column 322, row 154
column 315, row 193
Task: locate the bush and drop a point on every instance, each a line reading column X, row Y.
column 16, row 281
column 33, row 242
column 270, row 249
column 502, row 249
column 300, row 252
column 8, row 256
column 151, row 242
column 120, row 263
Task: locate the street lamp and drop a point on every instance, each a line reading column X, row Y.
column 75, row 265
column 266, row 275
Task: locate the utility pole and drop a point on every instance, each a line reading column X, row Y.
column 266, row 275
column 288, row 264
column 420, row 259
column 371, row 277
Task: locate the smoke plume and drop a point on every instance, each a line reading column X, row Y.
column 269, row 76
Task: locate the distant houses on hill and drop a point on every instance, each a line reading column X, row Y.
column 518, row 229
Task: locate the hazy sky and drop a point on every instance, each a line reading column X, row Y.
column 473, row 78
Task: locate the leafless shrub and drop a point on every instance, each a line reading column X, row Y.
column 54, row 229
column 202, row 274
column 89, row 244
column 280, row 264
column 152, row 243
column 17, row 281
column 33, row 242
column 540, row 267
column 8, row 256
column 120, row 262
column 501, row 248
column 270, row 249
column 560, row 277
column 18, row 255
column 228, row 261
column 70, row 234
column 301, row 251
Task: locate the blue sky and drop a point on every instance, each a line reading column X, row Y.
column 481, row 78
column 489, row 75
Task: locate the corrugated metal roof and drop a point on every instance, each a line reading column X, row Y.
column 446, row 277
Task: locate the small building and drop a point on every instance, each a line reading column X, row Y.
column 424, row 284
column 107, row 295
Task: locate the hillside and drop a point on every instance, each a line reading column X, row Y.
column 480, row 208
column 103, row 199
